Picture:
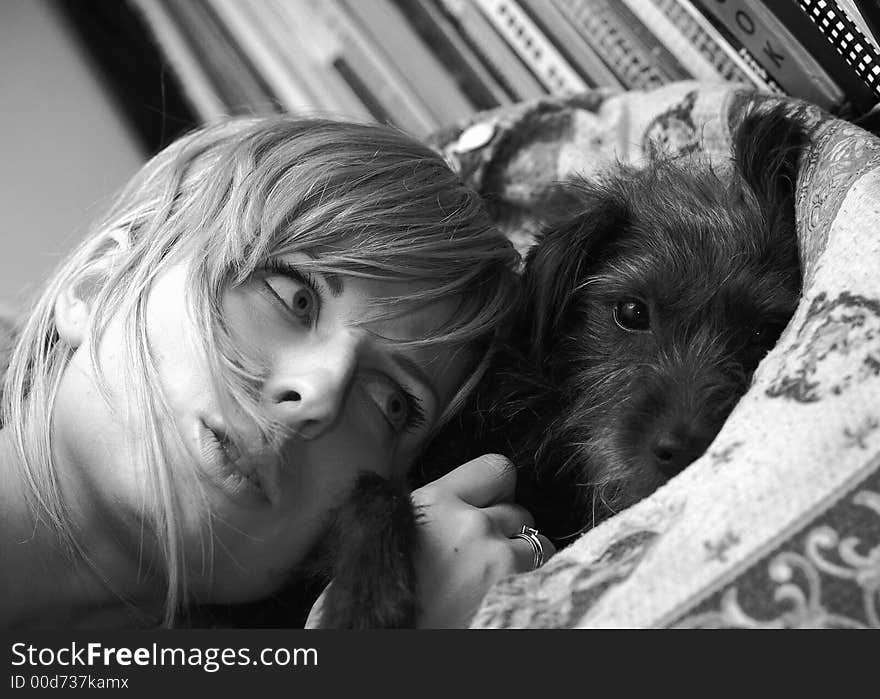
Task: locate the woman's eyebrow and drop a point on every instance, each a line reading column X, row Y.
column 334, row 280
column 417, row 373
column 334, row 283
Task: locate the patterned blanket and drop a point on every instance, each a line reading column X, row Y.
column 778, row 524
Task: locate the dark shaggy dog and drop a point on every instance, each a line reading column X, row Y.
column 646, row 314
column 646, row 309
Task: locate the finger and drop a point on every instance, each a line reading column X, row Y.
column 525, row 552
column 313, row 621
column 509, row 518
column 484, row 481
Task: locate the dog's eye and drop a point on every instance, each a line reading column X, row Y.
column 632, row 315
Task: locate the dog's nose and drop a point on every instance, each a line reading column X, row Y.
column 674, row 452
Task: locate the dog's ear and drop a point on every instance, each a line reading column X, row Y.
column 767, row 145
column 588, row 216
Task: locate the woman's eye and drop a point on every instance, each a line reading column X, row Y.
column 297, row 298
column 397, row 410
column 632, row 315
column 401, row 409
column 296, row 290
column 303, row 304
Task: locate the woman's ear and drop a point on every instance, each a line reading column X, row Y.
column 73, row 307
column 72, row 312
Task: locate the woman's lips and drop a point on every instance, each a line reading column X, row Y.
column 235, row 471
column 232, row 452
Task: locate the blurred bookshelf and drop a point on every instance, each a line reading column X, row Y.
column 425, row 64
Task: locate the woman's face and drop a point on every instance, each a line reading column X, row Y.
column 351, row 400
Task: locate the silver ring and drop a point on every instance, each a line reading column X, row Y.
column 531, row 535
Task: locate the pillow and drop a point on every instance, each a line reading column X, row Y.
column 778, row 524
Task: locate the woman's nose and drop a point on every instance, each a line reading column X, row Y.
column 307, row 389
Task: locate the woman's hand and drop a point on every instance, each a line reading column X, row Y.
column 467, row 520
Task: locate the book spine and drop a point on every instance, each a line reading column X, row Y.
column 777, row 50
column 568, row 42
column 868, row 12
column 291, row 23
column 368, row 73
column 532, row 46
column 253, row 39
column 797, row 21
column 859, row 53
column 424, row 75
column 645, row 39
column 678, row 45
column 467, row 68
column 499, row 57
column 601, row 28
column 759, row 69
column 854, row 9
column 242, row 85
column 367, row 96
column 715, row 47
column 193, row 78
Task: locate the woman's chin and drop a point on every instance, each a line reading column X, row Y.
column 238, row 587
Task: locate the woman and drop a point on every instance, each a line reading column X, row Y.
column 270, row 307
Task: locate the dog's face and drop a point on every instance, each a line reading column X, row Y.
column 650, row 309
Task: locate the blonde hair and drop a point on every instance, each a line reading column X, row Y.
column 361, row 199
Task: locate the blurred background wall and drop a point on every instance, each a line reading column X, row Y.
column 64, row 146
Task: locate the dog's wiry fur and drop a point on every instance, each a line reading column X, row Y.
column 712, row 261
column 647, row 307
